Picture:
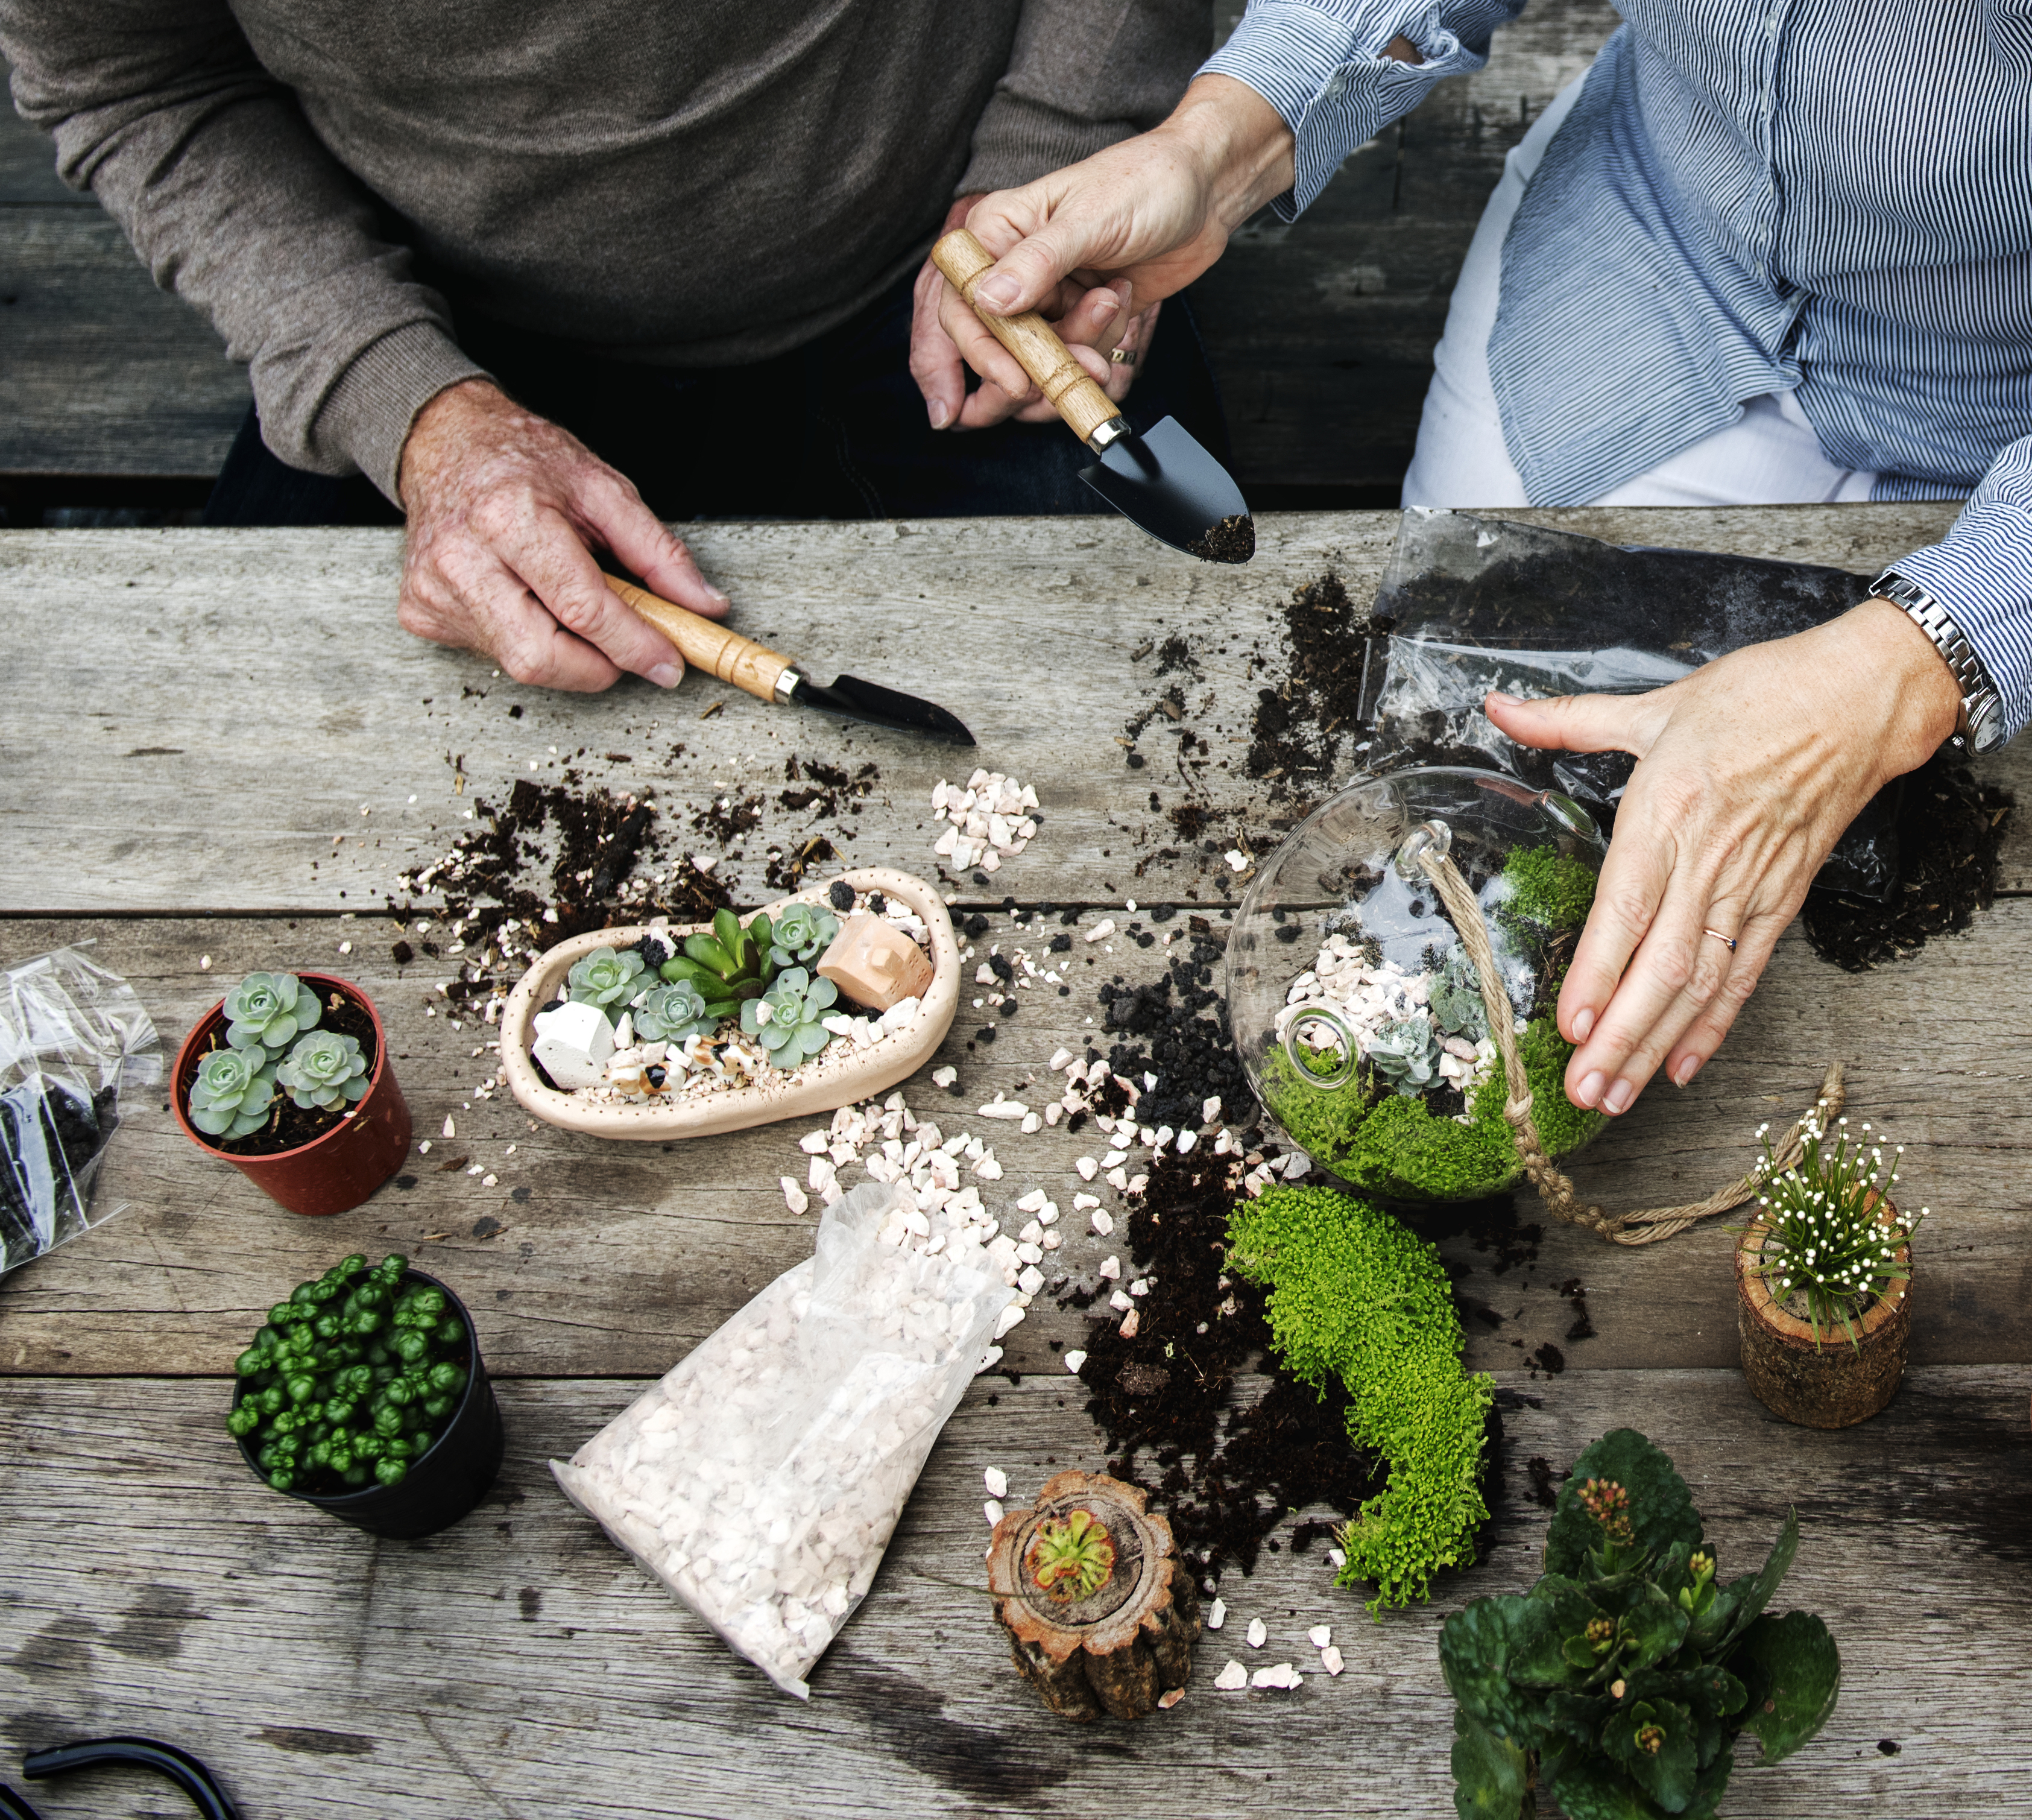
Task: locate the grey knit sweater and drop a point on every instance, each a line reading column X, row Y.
column 696, row 184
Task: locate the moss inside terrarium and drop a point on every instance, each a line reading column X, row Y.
column 1405, row 1146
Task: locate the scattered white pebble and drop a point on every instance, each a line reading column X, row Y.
column 1259, row 1633
column 1282, row 1675
column 1238, row 861
column 1101, row 930
column 1336, row 1559
column 204, row 963
column 1320, row 1636
column 1059, row 1058
column 1074, row 1361
column 450, row 1130
column 1216, row 1614
column 1110, row 1268
column 944, row 1077
column 1210, row 1109
column 1232, row 1679
column 1170, row 1698
column 993, row 1510
column 1329, row 1659
column 794, row 1197
column 424, row 1148
column 345, row 948
column 1104, row 1221
column 1088, row 1169
column 997, row 1482
column 812, row 1143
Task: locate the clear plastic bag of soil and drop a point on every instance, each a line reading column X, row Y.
column 1479, row 604
column 72, row 1036
column 760, row 1480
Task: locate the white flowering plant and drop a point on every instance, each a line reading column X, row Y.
column 1832, row 1233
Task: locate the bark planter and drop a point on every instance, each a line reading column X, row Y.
column 448, row 1480
column 1117, row 1644
column 1835, row 1383
column 839, row 1074
column 336, row 1170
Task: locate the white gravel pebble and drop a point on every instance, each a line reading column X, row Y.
column 1088, row 1170
column 993, row 1510
column 1232, row 1679
column 1074, row 1361
column 1103, row 1222
column 1238, row 861
column 944, row 1077
column 1101, row 930
column 1210, row 1110
column 1216, row 1614
column 1336, row 1559
column 794, row 1197
column 997, row 1482
column 813, row 1142
column 1282, row 1675
column 1259, row 1633
column 1110, row 1268
column 1170, row 1698
column 1329, row 1659
column 1320, row 1636
column 450, row 1130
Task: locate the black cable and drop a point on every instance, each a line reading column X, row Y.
column 180, row 1766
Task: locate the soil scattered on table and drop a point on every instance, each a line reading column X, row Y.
column 1229, row 540
column 1181, row 1018
column 1299, row 725
column 1950, row 841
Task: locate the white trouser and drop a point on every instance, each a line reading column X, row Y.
column 1769, row 457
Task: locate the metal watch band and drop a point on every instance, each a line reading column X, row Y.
column 1980, row 726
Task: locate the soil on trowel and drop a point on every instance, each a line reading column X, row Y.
column 1231, row 539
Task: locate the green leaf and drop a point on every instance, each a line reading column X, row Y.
column 1491, row 1780
column 1792, row 1671
column 1548, row 1647
column 1654, row 1626
column 708, row 954
column 1668, row 1772
column 1705, row 1687
column 1593, row 1788
column 1475, row 1645
column 727, row 931
column 1662, row 1508
column 1753, row 1592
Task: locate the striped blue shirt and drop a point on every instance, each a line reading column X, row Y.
column 1830, row 197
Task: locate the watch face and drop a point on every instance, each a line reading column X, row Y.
column 1986, row 726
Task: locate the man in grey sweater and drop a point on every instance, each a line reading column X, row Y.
column 457, row 244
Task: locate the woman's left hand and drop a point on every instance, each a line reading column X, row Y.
column 1748, row 772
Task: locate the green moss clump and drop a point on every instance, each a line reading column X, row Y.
column 1546, row 888
column 1395, row 1148
column 1354, row 1295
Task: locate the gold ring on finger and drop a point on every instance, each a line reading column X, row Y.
column 1727, row 942
column 1122, row 357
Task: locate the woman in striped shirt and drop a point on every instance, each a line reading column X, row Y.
column 1766, row 251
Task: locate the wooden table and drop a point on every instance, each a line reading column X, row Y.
column 218, row 745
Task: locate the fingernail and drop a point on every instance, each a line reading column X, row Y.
column 1689, row 1066
column 666, row 675
column 938, row 413
column 999, row 293
column 1105, row 304
column 1503, row 701
column 1591, row 1088
column 1620, row 1096
column 1583, row 1023
column 719, row 598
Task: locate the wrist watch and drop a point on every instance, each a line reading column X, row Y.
column 1980, row 726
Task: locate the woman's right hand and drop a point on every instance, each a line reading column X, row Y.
column 1155, row 211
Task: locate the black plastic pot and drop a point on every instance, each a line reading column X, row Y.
column 448, row 1480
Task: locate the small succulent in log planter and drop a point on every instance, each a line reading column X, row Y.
column 1823, row 1280
column 289, row 1080
column 1624, row 1678
column 364, row 1393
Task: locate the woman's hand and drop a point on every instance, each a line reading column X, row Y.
column 1748, row 771
column 1086, row 316
column 1145, row 217
column 505, row 510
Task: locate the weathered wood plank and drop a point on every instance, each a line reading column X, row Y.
column 520, row 1666
column 617, row 1258
column 135, row 779
column 104, row 374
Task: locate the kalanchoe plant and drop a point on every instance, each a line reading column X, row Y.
column 670, row 1011
column 324, row 1072
column 1456, row 998
column 232, row 1091
column 606, row 978
column 351, row 1379
column 1624, row 1678
column 729, row 966
column 803, row 933
column 785, row 1020
column 1070, row 1557
column 269, row 1011
column 1405, row 1055
column 1827, row 1243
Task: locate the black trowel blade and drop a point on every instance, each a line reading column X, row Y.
column 854, row 700
column 1167, row 484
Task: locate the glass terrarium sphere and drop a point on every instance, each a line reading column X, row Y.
column 1359, row 1016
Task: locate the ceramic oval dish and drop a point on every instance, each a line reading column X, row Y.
column 841, row 1073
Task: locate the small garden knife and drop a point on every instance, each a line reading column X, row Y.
column 769, row 676
column 1162, row 479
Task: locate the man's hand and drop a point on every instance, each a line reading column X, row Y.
column 505, row 510
column 1090, row 316
column 1748, row 771
column 1147, row 217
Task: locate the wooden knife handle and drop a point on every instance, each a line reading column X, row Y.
column 1073, row 392
column 707, row 645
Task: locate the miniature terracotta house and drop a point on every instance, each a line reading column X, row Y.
column 875, row 963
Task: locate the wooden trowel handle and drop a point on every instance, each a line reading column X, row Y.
column 706, row 645
column 1073, row 394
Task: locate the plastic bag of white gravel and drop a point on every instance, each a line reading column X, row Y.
column 761, row 1478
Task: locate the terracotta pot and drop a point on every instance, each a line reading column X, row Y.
column 838, row 1076
column 449, row 1480
column 1833, row 1384
column 332, row 1173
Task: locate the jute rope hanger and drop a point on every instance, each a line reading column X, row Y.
column 1644, row 1226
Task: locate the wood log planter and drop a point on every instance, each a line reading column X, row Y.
column 1101, row 1614
column 315, row 1125
column 1818, row 1375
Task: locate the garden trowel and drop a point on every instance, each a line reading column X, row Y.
column 1162, row 479
column 769, row 676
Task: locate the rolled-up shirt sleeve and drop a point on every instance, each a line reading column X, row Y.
column 1981, row 572
column 1321, row 64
